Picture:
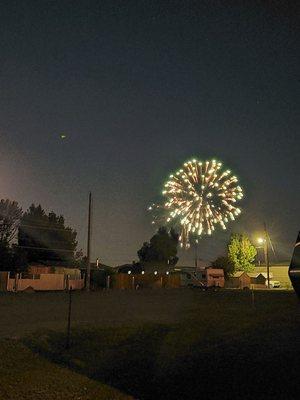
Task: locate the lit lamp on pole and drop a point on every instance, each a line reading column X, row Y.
column 260, row 240
column 264, row 243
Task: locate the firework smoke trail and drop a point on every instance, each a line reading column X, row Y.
column 198, row 197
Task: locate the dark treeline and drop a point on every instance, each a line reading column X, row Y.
column 33, row 236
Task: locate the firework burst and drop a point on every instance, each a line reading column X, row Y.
column 198, row 197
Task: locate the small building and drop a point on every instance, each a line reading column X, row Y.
column 240, row 280
column 191, row 276
column 134, row 268
column 258, row 280
column 40, row 269
column 279, row 273
column 214, row 277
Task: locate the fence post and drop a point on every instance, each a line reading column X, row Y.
column 69, row 319
column 252, row 297
column 16, row 282
column 67, row 282
column 7, row 281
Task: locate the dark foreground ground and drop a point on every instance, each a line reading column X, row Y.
column 159, row 344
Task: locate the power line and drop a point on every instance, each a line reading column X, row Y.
column 44, row 227
column 44, row 248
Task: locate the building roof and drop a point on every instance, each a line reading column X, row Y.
column 215, row 271
column 253, row 274
column 265, row 274
column 238, row 274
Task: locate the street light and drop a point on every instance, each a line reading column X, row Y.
column 260, row 240
column 264, row 242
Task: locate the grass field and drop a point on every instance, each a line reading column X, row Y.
column 160, row 344
column 25, row 375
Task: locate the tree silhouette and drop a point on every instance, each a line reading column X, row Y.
column 10, row 215
column 224, row 263
column 162, row 248
column 45, row 237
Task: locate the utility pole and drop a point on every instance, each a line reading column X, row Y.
column 88, row 251
column 266, row 251
column 196, row 253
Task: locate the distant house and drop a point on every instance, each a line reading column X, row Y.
column 258, row 280
column 38, row 269
column 207, row 276
column 214, row 277
column 278, row 272
column 135, row 268
column 99, row 265
column 239, row 280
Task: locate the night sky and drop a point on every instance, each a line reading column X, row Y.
column 139, row 87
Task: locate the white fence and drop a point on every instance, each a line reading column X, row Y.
column 42, row 282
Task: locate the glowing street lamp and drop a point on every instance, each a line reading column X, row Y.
column 263, row 241
column 260, row 240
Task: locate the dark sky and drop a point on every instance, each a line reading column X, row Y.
column 138, row 87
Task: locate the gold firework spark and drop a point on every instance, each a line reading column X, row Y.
column 198, row 197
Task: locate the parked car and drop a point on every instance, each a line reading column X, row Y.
column 273, row 284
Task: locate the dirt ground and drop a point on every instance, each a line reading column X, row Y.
column 165, row 344
column 23, row 313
